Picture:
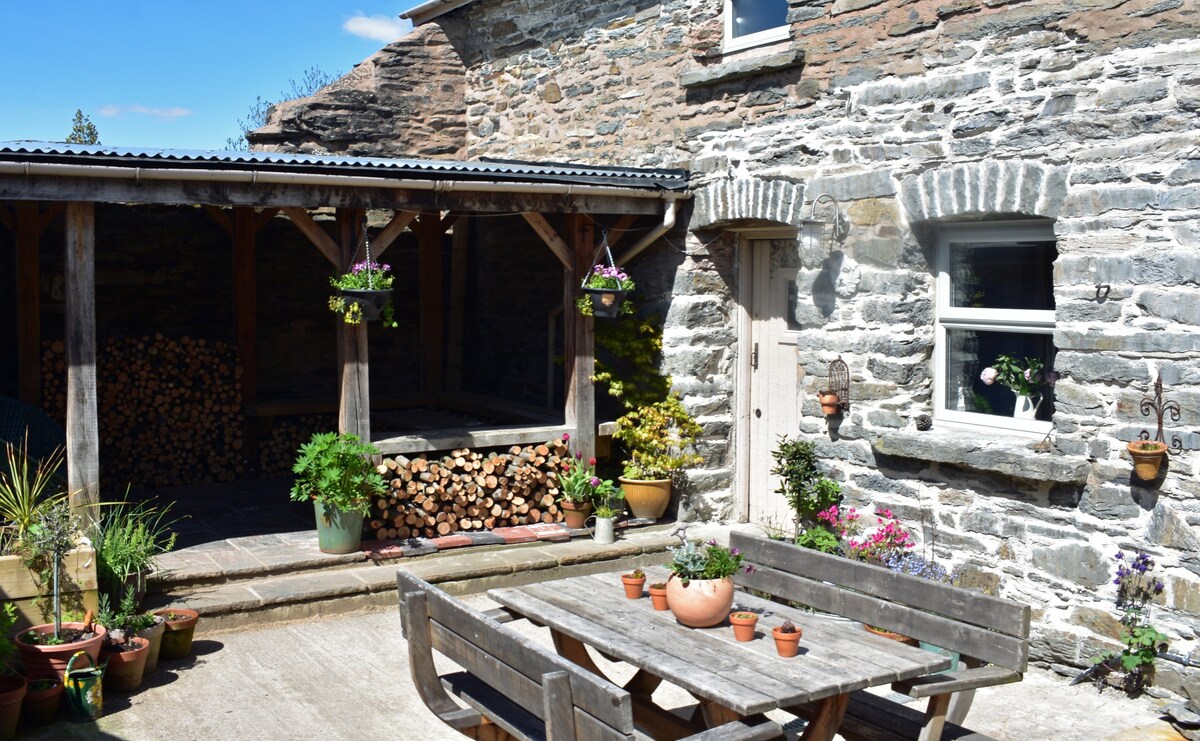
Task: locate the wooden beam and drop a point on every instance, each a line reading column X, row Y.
column 619, row 229
column 322, row 241
column 448, row 220
column 395, row 227
column 264, row 217
column 457, row 324
column 29, row 306
column 579, row 342
column 556, row 243
column 245, row 318
column 432, row 295
column 6, row 219
column 218, row 215
column 83, row 435
column 354, row 399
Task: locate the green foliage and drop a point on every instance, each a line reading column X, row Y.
column 127, row 617
column 45, row 545
column 8, row 621
column 806, row 489
column 1022, row 376
column 1136, row 589
column 689, row 562
column 627, row 361
column 655, row 438
column 605, row 512
column 336, row 470
column 312, row 80
column 28, row 488
column 127, row 539
column 83, row 131
column 818, row 538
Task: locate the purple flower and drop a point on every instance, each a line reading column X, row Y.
column 566, row 436
column 988, row 376
column 595, row 482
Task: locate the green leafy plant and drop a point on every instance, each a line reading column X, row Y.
column 605, row 277
column 627, row 361
column 28, row 487
column 655, row 438
column 1137, row 588
column 127, row 539
column 1022, row 376
column 8, row 621
column 125, row 621
column 363, row 276
column 605, row 512
column 807, row 490
column 336, row 470
column 576, row 481
column 688, row 561
column 45, row 545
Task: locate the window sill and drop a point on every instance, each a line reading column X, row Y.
column 737, row 69
column 986, row 452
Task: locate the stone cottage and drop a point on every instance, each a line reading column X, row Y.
column 913, row 187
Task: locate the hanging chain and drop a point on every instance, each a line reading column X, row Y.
column 367, row 245
column 596, row 257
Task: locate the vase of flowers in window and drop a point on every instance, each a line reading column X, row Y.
column 1024, row 377
column 604, row 290
column 700, row 588
column 364, row 293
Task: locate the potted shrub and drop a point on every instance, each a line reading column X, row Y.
column 127, row 538
column 655, row 437
column 180, row 630
column 604, row 292
column 13, row 686
column 335, row 471
column 1147, row 458
column 577, row 487
column 606, row 495
column 365, row 292
column 633, row 582
column 787, row 639
column 743, row 622
column 700, row 588
column 123, row 651
column 658, row 596
column 807, row 490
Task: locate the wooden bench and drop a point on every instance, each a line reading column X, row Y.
column 516, row 689
column 990, row 634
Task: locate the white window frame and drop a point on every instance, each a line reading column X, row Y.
column 766, row 36
column 993, row 320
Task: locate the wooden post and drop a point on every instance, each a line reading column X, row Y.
column 432, row 317
column 29, row 308
column 456, row 335
column 83, row 434
column 354, row 400
column 245, row 320
column 579, row 341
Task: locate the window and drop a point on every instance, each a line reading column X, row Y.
column 995, row 296
column 754, row 22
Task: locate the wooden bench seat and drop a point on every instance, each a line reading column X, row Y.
column 514, row 688
column 990, row 634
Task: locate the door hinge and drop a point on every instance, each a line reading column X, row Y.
column 754, row 357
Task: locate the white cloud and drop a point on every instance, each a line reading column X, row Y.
column 377, row 27
column 112, row 111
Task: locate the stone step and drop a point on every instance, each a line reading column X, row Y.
column 271, row 593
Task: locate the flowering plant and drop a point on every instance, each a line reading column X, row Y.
column 915, row 565
column 606, row 277
column 714, row 562
column 1024, row 377
column 1136, row 589
column 363, row 276
column 887, row 540
column 578, row 480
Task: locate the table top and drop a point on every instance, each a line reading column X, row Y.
column 836, row 656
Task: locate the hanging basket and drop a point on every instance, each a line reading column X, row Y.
column 606, row 302
column 370, row 303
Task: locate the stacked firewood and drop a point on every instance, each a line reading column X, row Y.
column 469, row 491
column 169, row 409
column 278, row 451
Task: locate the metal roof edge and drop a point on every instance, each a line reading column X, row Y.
column 426, row 12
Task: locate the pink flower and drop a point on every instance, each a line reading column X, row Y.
column 1028, row 375
column 566, row 436
column 591, row 461
column 989, row 375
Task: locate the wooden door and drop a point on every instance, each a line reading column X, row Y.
column 774, row 375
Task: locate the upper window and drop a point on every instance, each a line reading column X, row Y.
column 994, row 355
column 753, row 22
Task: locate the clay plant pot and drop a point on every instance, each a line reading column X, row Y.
column 658, row 597
column 575, row 514
column 1147, row 458
column 12, row 693
column 124, row 668
column 42, row 701
column 181, row 626
column 633, row 585
column 647, row 498
column 154, row 635
column 51, row 661
column 829, row 402
column 743, row 625
column 702, row 603
column 890, row 635
column 787, row 645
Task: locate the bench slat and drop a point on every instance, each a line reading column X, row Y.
column 968, row 679
column 870, row 717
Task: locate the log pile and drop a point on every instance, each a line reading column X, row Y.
column 469, row 491
column 169, row 409
column 278, row 451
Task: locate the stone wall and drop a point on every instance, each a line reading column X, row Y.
column 910, row 114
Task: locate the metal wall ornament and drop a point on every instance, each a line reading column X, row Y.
column 1158, row 408
column 835, row 398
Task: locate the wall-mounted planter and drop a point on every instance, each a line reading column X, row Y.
column 19, row 585
column 1147, row 458
column 829, row 402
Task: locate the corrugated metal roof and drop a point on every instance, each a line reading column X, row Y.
column 426, row 12
column 486, row 170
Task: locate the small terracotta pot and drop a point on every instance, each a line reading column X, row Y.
column 124, row 669
column 633, row 585
column 787, row 644
column 575, row 514
column 829, row 402
column 42, row 702
column 743, row 625
column 658, row 597
column 1146, row 460
column 177, row 640
column 892, row 636
column 12, row 693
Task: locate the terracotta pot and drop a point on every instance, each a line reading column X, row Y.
column 702, row 603
column 892, row 636
column 633, row 586
column 51, row 661
column 743, row 627
column 647, row 498
column 658, row 597
column 1146, row 461
column 177, row 640
column 154, row 635
column 124, row 669
column 575, row 514
column 12, row 693
column 787, row 644
column 829, row 402
column 42, row 702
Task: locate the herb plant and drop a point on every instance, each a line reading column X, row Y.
column 127, row 539
column 713, row 562
column 336, row 470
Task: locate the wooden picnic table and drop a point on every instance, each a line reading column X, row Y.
column 730, row 679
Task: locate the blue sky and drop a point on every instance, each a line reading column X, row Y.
column 172, row 73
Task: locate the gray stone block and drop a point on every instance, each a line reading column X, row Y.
column 1109, row 502
column 1074, row 562
column 1168, row 529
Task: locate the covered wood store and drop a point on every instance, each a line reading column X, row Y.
column 223, row 258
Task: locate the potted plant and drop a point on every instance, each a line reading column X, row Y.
column 1024, row 377
column 808, row 492
column 127, row 538
column 658, row 596
column 606, row 518
column 124, row 652
column 830, row 402
column 633, row 582
column 27, row 490
column 13, row 686
column 604, row 292
column 743, row 622
column 655, row 437
column 787, row 639
column 1147, row 458
column 42, row 701
column 577, row 487
column 365, row 292
column 607, row 495
column 700, row 588
column 180, row 630
column 335, row 471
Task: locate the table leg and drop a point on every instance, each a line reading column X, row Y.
column 574, row 651
column 717, row 715
column 824, row 723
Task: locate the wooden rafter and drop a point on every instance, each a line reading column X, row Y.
column 311, row 229
column 620, row 228
column 263, row 217
column 224, row 220
column 556, row 243
column 6, row 219
column 395, row 227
